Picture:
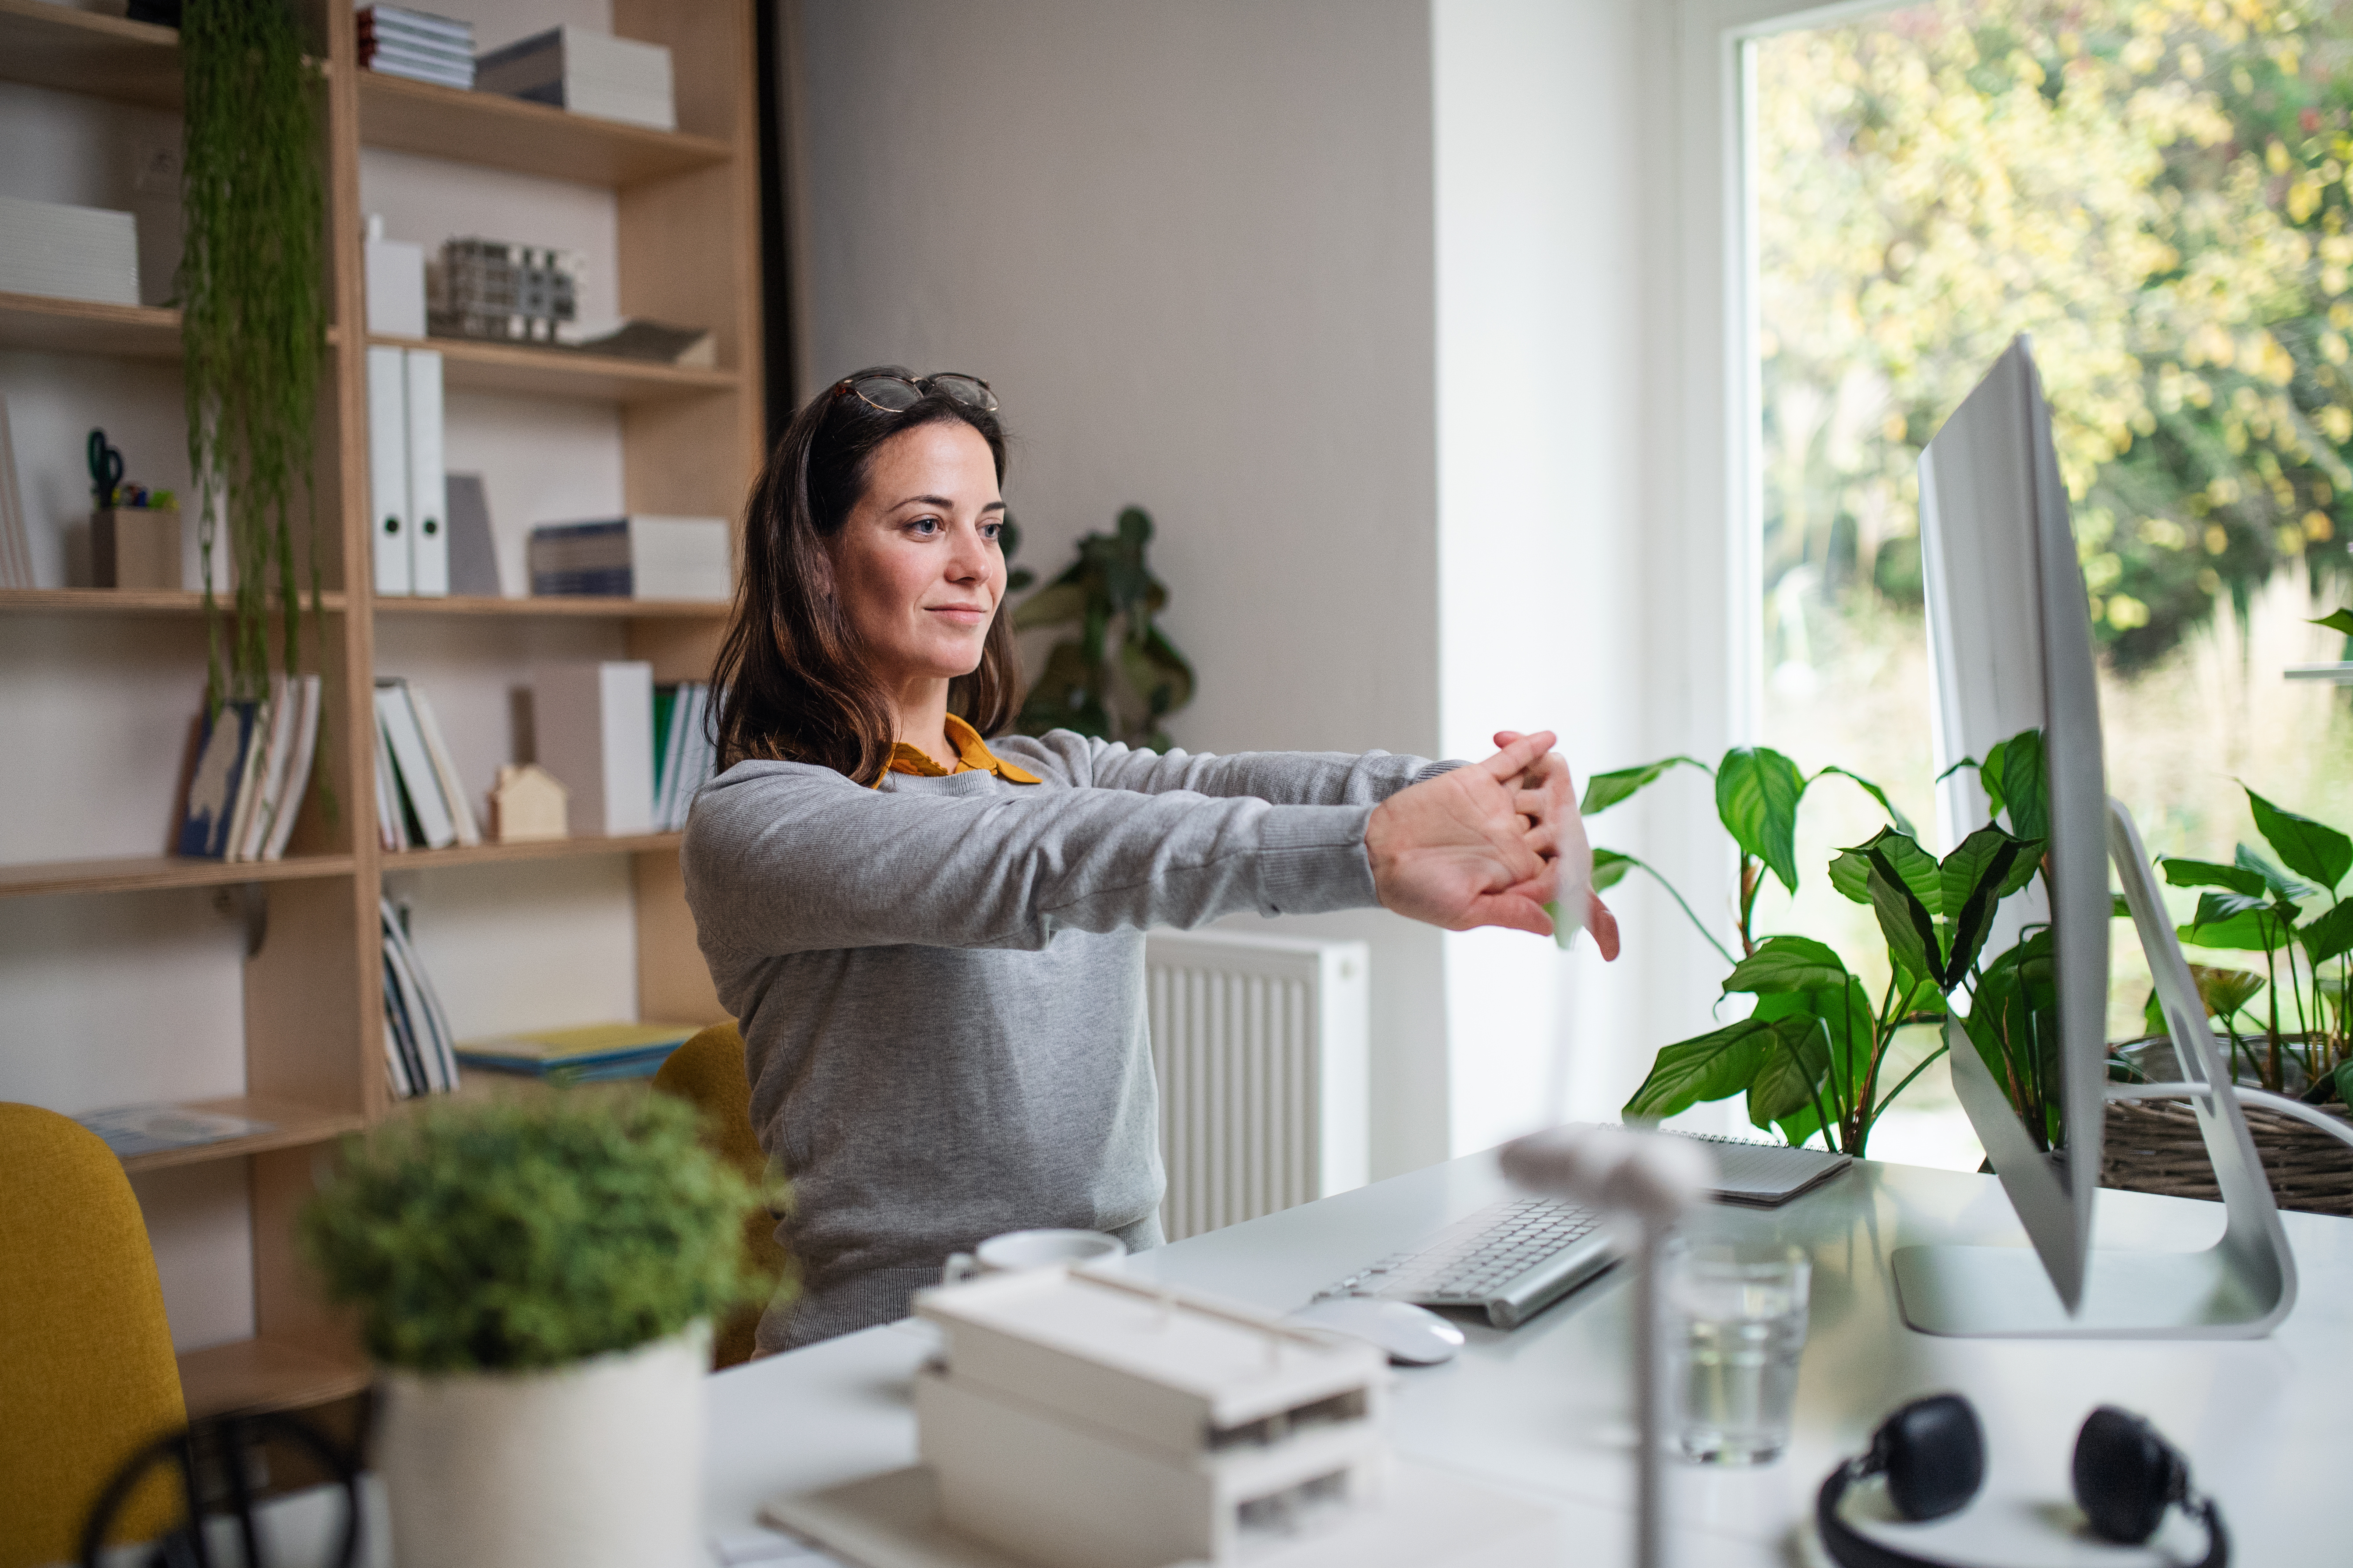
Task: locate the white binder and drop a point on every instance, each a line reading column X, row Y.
column 388, row 469
column 594, row 723
column 428, row 480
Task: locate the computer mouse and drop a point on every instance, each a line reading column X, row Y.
column 1414, row 1336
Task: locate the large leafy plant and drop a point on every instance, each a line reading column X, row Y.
column 506, row 1236
column 2287, row 1025
column 1812, row 1054
column 1118, row 675
column 252, row 290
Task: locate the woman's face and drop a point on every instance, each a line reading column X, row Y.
column 916, row 568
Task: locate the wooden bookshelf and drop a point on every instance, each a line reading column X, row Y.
column 561, row 608
column 686, row 230
column 152, row 873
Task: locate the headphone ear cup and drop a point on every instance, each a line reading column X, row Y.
column 1933, row 1452
column 2126, row 1475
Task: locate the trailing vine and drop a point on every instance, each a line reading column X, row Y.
column 253, row 323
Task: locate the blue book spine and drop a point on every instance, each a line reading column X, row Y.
column 617, row 582
column 212, row 791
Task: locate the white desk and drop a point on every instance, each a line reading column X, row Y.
column 2267, row 1424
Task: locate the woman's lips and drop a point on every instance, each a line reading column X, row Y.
column 961, row 614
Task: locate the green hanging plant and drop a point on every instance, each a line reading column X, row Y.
column 253, row 324
column 1119, row 676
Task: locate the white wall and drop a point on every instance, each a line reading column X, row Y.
column 1189, row 247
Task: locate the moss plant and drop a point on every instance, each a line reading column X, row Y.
column 253, row 320
column 512, row 1235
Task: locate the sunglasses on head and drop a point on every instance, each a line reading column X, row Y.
column 897, row 393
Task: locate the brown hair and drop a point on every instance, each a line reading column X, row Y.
column 792, row 678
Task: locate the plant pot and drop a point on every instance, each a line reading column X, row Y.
column 596, row 1465
column 2154, row 1145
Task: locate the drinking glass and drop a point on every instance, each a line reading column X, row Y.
column 1737, row 1320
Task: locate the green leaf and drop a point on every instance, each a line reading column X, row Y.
column 2330, row 936
column 1609, row 869
column 1051, row 606
column 1603, row 791
column 2181, row 873
column 1903, row 919
column 2117, row 908
column 2344, row 1068
column 1797, row 1058
column 2284, row 887
column 1903, row 824
column 1987, row 867
column 1714, row 1066
column 2308, row 849
column 1850, row 870
column 2224, row 991
column 1756, row 794
column 2025, row 784
column 1786, row 964
column 2251, row 929
column 2338, row 621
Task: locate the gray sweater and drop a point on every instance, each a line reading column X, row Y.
column 940, row 983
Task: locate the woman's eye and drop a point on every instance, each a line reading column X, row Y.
column 992, row 532
column 925, row 526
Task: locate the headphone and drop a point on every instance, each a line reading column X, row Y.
column 1932, row 1452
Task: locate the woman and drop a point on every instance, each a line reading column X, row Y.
column 935, row 943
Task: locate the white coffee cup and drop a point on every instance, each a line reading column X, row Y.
column 1016, row 1250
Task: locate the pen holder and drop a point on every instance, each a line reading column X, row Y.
column 137, row 547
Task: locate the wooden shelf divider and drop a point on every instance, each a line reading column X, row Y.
column 293, row 1127
column 80, row 51
column 129, row 601
column 50, row 324
column 494, row 132
column 559, row 606
column 150, row 873
column 531, row 849
column 539, row 372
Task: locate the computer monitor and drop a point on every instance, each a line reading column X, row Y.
column 2011, row 641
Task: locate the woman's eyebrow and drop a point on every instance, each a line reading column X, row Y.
column 941, row 502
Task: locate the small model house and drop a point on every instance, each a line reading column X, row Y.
column 528, row 801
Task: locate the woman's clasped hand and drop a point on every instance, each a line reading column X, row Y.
column 1489, row 845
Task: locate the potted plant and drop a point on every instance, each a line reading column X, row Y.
column 1811, row 1056
column 535, row 1280
column 1119, row 676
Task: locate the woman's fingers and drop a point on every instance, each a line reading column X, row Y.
column 1514, row 759
column 1603, row 925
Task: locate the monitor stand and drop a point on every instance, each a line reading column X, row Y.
column 2236, row 1289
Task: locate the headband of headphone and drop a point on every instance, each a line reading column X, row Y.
column 1932, row 1452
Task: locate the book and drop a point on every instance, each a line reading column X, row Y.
column 391, row 822
column 594, row 724
column 15, row 545
column 691, row 757
column 418, row 1045
column 132, row 1130
column 210, row 813
column 265, row 761
column 412, row 765
column 445, row 771
column 605, row 1049
column 587, row 73
column 639, row 556
column 696, row 347
column 69, row 252
column 294, row 785
column 473, row 551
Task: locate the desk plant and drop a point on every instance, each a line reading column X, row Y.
column 1119, row 676
column 535, row 1280
column 1811, row 1057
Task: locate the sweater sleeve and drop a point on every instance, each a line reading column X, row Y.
column 781, row 858
column 1282, row 778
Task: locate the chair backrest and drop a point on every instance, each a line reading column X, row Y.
column 87, row 1374
column 709, row 1070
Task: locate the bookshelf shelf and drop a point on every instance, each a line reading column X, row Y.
column 532, row 849
column 149, row 873
column 80, row 51
column 565, row 372
column 52, row 325
column 500, row 133
column 125, row 602
column 564, row 607
column 295, row 1127
column 260, row 1374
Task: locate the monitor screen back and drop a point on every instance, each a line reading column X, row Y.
column 2010, row 644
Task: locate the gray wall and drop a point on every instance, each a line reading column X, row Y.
column 1190, row 246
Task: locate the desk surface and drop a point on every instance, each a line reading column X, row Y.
column 1544, row 1410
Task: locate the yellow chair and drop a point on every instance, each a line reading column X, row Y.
column 87, row 1375
column 709, row 1071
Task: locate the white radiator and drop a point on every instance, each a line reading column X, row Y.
column 1260, row 1047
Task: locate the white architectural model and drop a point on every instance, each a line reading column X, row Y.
column 1089, row 1421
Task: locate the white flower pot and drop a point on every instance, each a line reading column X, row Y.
column 595, row 1464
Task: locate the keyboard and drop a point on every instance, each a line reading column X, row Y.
column 1514, row 1258
column 1510, row 1260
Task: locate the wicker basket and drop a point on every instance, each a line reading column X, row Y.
column 2153, row 1146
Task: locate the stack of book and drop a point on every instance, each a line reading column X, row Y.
column 418, row 1056
column 416, row 45
column 633, row 557
column 587, row 73
column 593, row 1054
column 68, row 252
column 684, row 757
column 252, row 769
column 497, row 290
column 419, row 801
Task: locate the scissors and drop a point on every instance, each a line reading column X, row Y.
column 105, row 468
